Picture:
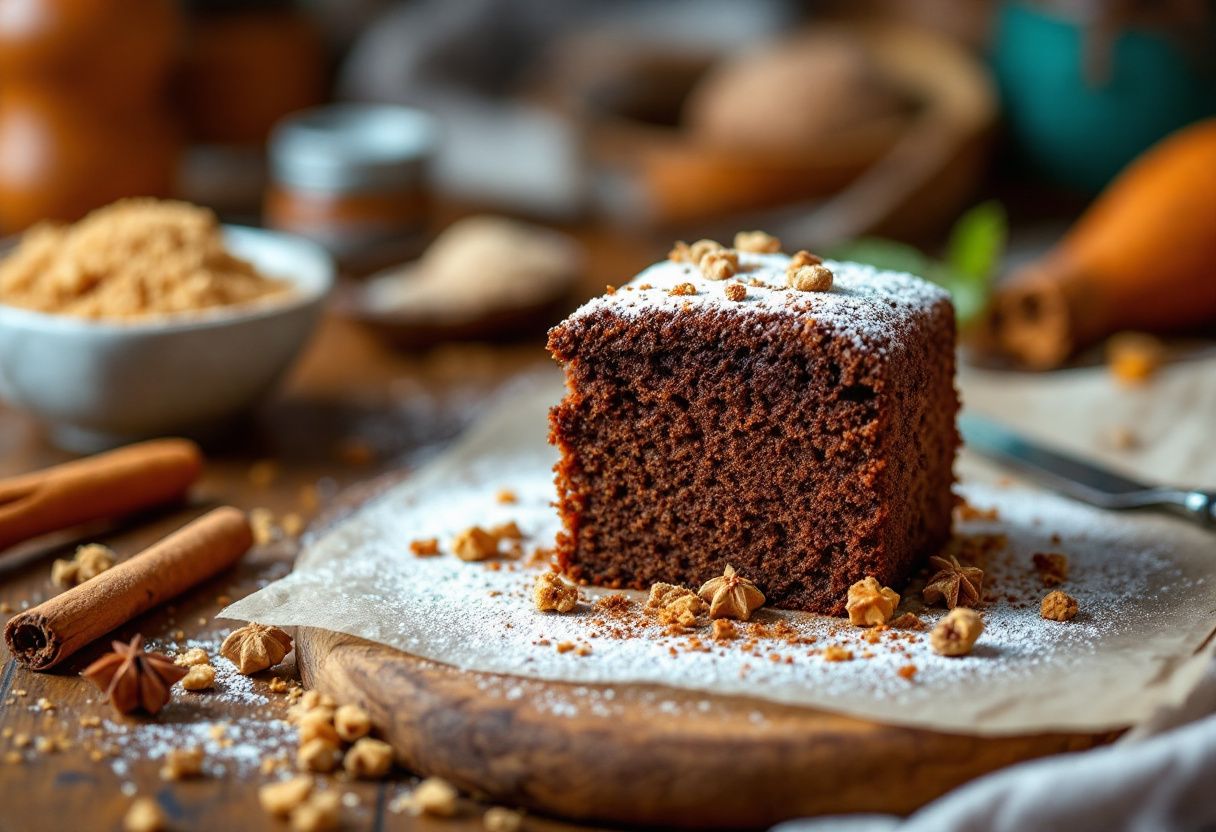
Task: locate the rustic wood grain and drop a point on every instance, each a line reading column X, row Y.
column 699, row 761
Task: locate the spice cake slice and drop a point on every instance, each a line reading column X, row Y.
column 805, row 437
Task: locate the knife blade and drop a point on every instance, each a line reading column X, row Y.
column 1079, row 479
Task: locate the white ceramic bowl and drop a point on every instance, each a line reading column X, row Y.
column 99, row 383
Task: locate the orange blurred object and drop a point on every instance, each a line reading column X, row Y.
column 104, row 51
column 61, row 157
column 244, row 71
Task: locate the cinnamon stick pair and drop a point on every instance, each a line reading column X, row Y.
column 47, row 634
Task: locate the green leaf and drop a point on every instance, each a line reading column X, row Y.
column 977, row 241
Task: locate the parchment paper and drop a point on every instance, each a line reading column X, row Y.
column 1140, row 641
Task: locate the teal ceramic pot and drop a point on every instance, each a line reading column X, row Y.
column 1080, row 131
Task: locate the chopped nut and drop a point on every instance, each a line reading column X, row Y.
column 836, row 653
column 731, row 596
column 810, row 278
column 91, row 560
column 255, row 647
column 735, row 291
column 870, row 603
column 500, row 819
column 280, row 798
column 682, row 289
column 680, row 252
column 564, row 646
column 319, row 755
column 907, row 671
column 676, row 605
column 907, row 621
column 352, row 722
column 182, row 763
column 319, row 813
column 425, row 547
column 1134, row 357
column 475, row 543
column 317, row 724
column 758, row 242
column 802, row 258
column 368, row 759
column 144, row 815
column 436, row 797
column 953, row 584
column 725, row 630
column 193, row 656
column 507, row 496
column 956, row 633
column 550, row 592
column 64, row 572
column 507, row 531
column 1052, row 567
column 1058, row 606
column 719, row 265
column 199, row 677
column 700, row 248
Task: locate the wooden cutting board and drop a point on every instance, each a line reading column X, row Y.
column 648, row 755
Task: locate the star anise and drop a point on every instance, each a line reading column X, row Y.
column 133, row 679
column 255, row 647
column 953, row 584
column 731, row 596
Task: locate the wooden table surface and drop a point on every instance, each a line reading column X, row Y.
column 348, row 396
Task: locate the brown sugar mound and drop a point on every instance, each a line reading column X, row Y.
column 132, row 259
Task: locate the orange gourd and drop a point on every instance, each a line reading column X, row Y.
column 1142, row 257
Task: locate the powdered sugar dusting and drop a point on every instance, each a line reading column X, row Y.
column 865, row 303
column 1139, row 585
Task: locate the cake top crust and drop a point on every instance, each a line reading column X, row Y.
column 868, row 303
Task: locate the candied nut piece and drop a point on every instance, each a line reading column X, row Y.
column 954, row 584
column 144, row 815
column 64, row 572
column 1134, row 357
column 502, row 819
column 758, row 242
column 956, row 633
column 550, row 592
column 810, row 278
column 507, row 531
column 680, row 252
column 725, row 630
column 700, row 248
column 182, row 763
column 193, row 656
column 731, row 596
column 352, row 722
column 719, row 265
column 676, row 604
column 255, row 647
column 907, row 621
column 802, row 258
column 368, row 759
column 280, row 798
column 1052, row 567
column 319, row 755
column 436, row 797
column 474, row 544
column 1058, row 606
column 735, row 291
column 92, row 559
column 319, row 813
column 317, row 724
column 682, row 289
column 836, row 653
column 870, row 602
column 199, row 677
column 425, row 547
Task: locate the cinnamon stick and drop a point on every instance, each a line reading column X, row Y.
column 100, row 487
column 47, row 634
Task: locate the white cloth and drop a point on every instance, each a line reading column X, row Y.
column 1160, row 777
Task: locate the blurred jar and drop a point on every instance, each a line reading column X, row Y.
column 352, row 177
column 61, row 157
column 108, row 52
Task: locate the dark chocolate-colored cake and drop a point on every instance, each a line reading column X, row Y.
column 805, row 437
